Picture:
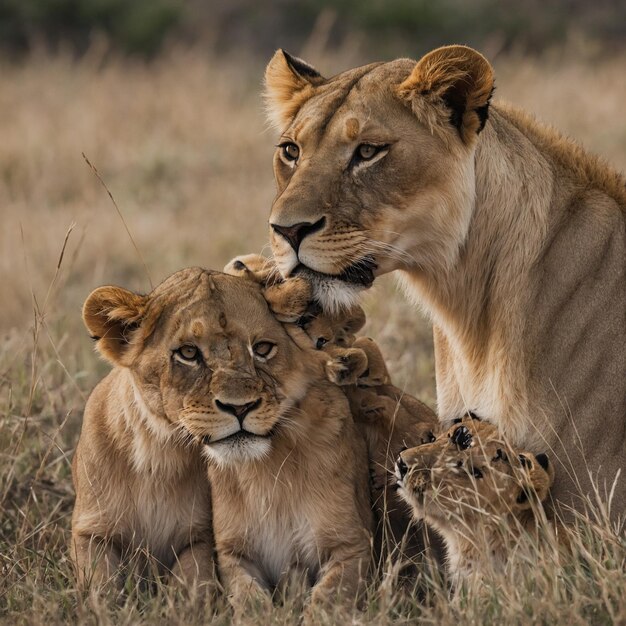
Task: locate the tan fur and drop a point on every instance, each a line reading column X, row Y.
column 477, row 491
column 289, row 475
column 142, row 497
column 389, row 419
column 511, row 237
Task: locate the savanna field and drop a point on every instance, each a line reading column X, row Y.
column 183, row 146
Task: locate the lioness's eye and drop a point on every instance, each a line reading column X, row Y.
column 367, row 152
column 188, row 352
column 290, row 151
column 264, row 349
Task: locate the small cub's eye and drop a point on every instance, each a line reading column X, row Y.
column 320, row 343
column 476, row 472
column 188, row 352
column 290, row 151
column 264, row 349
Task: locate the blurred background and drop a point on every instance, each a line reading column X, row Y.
column 164, row 99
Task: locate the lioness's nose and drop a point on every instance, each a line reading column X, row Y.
column 296, row 233
column 238, row 410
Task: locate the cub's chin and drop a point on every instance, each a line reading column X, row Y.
column 241, row 447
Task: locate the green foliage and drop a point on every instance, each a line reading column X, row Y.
column 384, row 27
column 137, row 26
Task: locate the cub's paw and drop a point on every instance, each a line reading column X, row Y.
column 345, row 367
column 252, row 266
column 376, row 373
column 289, row 300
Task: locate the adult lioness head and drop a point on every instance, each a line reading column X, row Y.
column 375, row 166
column 207, row 355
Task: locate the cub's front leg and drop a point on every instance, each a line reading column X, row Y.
column 241, row 580
column 343, row 530
column 96, row 561
column 194, row 567
column 343, row 577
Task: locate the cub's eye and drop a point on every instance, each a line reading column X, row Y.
column 188, row 352
column 320, row 343
column 264, row 349
column 476, row 472
column 289, row 151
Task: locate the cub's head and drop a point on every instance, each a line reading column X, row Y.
column 207, row 360
column 470, row 476
column 374, row 166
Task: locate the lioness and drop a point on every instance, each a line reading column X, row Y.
column 477, row 492
column 142, row 496
column 510, row 236
column 287, row 467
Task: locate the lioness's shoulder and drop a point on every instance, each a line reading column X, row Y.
column 589, row 169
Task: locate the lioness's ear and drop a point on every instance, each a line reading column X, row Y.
column 110, row 314
column 289, row 82
column 457, row 77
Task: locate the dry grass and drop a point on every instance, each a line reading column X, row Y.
column 183, row 147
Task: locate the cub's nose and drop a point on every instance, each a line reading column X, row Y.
column 402, row 467
column 295, row 234
column 238, row 410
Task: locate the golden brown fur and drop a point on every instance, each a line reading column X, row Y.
column 142, row 497
column 477, row 491
column 512, row 238
column 390, row 419
column 287, row 467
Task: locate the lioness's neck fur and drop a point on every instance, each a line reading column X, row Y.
column 511, row 237
column 492, row 357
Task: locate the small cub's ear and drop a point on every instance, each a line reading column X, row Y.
column 289, row 82
column 457, row 77
column 110, row 314
column 540, row 473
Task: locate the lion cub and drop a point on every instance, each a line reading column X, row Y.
column 390, row 419
column 477, row 491
column 287, row 467
column 142, row 497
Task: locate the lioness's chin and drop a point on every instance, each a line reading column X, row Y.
column 237, row 449
column 333, row 294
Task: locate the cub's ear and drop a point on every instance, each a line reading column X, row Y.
column 289, row 82
column 110, row 314
column 457, row 78
column 539, row 478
